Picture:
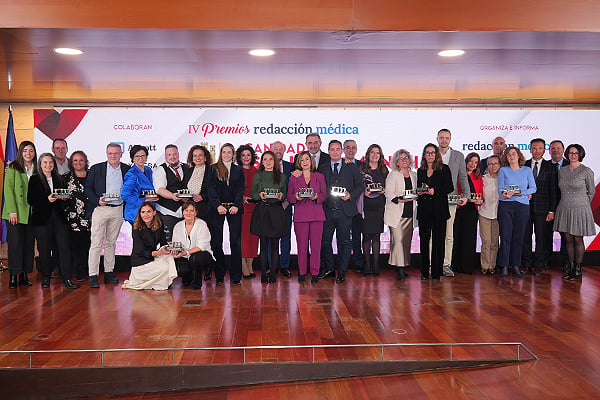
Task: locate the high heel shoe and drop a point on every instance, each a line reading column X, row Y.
column 516, row 272
column 13, row 282
column 504, row 273
column 69, row 284
column 24, row 280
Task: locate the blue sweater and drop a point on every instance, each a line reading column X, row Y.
column 523, row 178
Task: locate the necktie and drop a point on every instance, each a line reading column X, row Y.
column 535, row 170
column 176, row 173
column 335, row 169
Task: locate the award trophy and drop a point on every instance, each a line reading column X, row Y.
column 514, row 188
column 271, row 193
column 184, row 194
column 375, row 187
column 453, row 199
column 108, row 197
column 306, row 193
column 227, row 205
column 177, row 246
column 61, row 194
column 409, row 194
column 149, row 195
column 338, row 191
column 423, row 189
column 476, row 196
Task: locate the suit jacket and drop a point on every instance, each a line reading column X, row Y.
column 394, row 187
column 202, row 205
column 435, row 207
column 544, row 199
column 226, row 192
column 565, row 162
column 306, row 210
column 458, row 169
column 351, row 179
column 145, row 241
column 95, row 185
column 134, row 182
column 15, row 195
column 323, row 159
column 41, row 207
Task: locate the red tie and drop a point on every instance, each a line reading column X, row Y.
column 176, row 173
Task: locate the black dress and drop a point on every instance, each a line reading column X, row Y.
column 374, row 205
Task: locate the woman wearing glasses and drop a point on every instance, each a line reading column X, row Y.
column 488, row 217
column 137, row 179
column 574, row 214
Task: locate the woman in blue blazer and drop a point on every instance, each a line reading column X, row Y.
column 138, row 178
column 225, row 193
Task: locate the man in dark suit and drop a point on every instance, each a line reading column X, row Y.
column 541, row 208
column 313, row 145
column 339, row 210
column 285, row 243
column 350, row 149
column 557, row 150
column 106, row 216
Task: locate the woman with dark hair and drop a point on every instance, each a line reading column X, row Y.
column 152, row 265
column 268, row 220
column 49, row 220
column 16, row 212
column 516, row 184
column 76, row 208
column 136, row 180
column 196, row 180
column 194, row 236
column 245, row 158
column 225, row 194
column 374, row 174
column 432, row 210
column 574, row 215
column 464, row 254
column 308, row 214
column 400, row 213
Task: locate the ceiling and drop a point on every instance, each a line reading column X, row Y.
column 318, row 62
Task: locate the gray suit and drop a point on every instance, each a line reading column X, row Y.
column 458, row 169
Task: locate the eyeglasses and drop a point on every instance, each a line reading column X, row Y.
column 430, row 153
column 404, row 158
column 140, row 156
column 572, row 153
column 493, row 163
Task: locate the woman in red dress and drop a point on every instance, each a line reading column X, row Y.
column 246, row 158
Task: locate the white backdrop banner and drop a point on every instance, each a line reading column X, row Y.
column 92, row 129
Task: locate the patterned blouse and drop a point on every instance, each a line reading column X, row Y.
column 75, row 206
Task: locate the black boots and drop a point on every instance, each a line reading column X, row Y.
column 575, row 272
column 24, row 280
column 13, row 282
column 401, row 274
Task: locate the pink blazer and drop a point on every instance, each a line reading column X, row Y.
column 307, row 210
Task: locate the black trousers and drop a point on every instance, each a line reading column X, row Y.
column 20, row 248
column 190, row 269
column 169, row 223
column 235, row 242
column 56, row 229
column 436, row 232
column 464, row 256
column 357, row 254
column 537, row 224
column 80, row 250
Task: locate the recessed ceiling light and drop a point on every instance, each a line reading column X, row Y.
column 261, row 52
column 68, row 51
column 451, row 53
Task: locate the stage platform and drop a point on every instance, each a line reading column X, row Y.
column 557, row 320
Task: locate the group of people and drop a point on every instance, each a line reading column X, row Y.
column 178, row 211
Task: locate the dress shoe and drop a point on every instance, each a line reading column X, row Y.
column 575, row 272
column 272, row 279
column 208, row 274
column 424, row 278
column 264, row 278
column 252, row 275
column 367, row 272
column 504, row 273
column 24, row 280
column 13, row 282
column 248, row 276
column 314, row 279
column 327, row 274
column 340, row 278
column 517, row 273
column 46, row 282
column 69, row 284
column 301, row 278
column 236, row 282
column 286, row 272
column 401, row 275
column 436, row 279
column 93, row 282
column 109, row 277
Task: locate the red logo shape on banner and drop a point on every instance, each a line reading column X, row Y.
column 57, row 125
column 595, row 245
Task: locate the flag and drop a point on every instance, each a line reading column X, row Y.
column 9, row 156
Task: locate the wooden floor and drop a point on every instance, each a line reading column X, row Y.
column 558, row 320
